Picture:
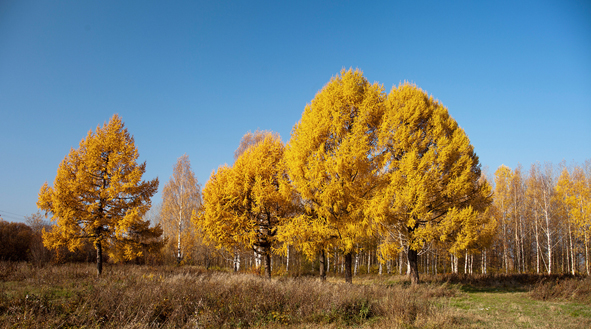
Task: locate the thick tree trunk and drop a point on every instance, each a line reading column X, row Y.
column 99, row 258
column 348, row 265
column 413, row 265
column 322, row 265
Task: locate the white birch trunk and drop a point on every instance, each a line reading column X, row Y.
column 586, row 253
column 287, row 261
column 179, row 255
column 572, row 252
column 466, row 263
column 537, row 234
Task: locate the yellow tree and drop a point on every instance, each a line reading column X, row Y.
column 575, row 191
column 98, row 194
column 541, row 193
column 243, row 205
column 430, row 171
column 503, row 206
column 331, row 163
column 180, row 197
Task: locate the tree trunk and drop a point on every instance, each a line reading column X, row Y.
column 179, row 256
column 267, row 260
column 466, row 263
column 549, row 242
column 413, row 265
column 287, row 261
column 99, row 258
column 538, row 250
column 322, row 265
column 348, row 265
column 586, row 253
column 356, row 264
column 572, row 251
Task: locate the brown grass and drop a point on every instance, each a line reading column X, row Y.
column 128, row 296
column 568, row 288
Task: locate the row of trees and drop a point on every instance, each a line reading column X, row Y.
column 362, row 169
column 368, row 178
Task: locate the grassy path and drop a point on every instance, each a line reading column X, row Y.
column 489, row 308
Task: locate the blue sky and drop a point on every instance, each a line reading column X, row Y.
column 193, row 77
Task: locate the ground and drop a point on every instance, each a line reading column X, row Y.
column 132, row 296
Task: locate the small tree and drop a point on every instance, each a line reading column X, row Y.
column 98, row 195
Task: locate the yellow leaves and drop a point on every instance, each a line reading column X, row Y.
column 575, row 191
column 330, row 155
column 243, row 204
column 466, row 229
column 98, row 192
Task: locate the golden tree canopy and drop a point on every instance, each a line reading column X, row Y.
column 430, row 172
column 244, row 204
column 98, row 194
column 331, row 162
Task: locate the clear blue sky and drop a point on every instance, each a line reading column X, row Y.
column 192, row 77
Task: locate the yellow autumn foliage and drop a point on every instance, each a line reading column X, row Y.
column 429, row 172
column 244, row 204
column 98, row 194
column 331, row 163
column 575, row 190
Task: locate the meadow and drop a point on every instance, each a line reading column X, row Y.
column 141, row 296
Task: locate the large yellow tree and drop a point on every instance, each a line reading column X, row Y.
column 331, row 160
column 243, row 205
column 98, row 194
column 180, row 197
column 430, row 174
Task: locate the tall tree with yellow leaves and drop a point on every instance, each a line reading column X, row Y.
column 503, row 206
column 331, row 163
column 575, row 191
column 244, row 204
column 430, row 174
column 98, row 194
column 180, row 197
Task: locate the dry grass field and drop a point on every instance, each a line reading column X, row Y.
column 130, row 296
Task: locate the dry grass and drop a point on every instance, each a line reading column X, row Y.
column 128, row 296
column 568, row 288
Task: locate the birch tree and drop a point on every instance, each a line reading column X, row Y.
column 575, row 191
column 541, row 190
column 180, row 197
